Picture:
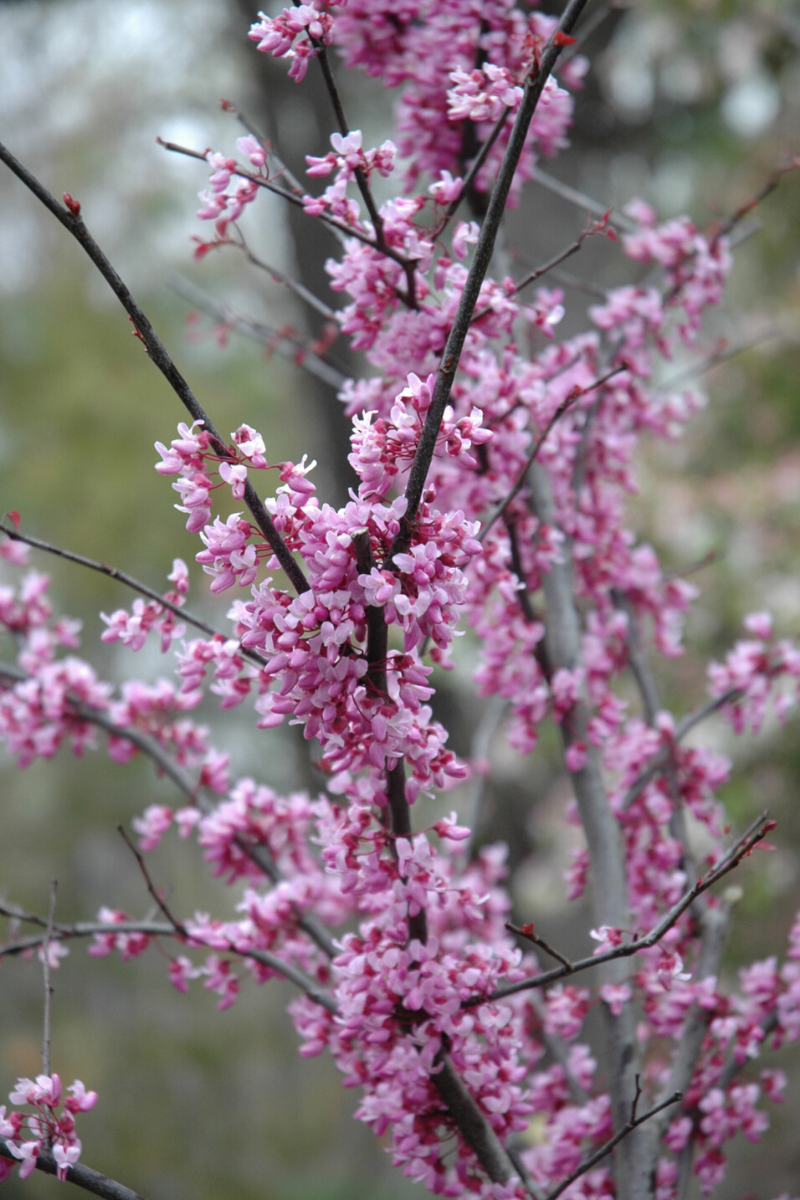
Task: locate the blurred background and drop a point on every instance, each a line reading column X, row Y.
column 690, row 104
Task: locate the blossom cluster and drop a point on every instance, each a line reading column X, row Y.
column 50, row 1127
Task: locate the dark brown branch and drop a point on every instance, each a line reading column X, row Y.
column 360, row 178
column 749, row 840
column 70, row 218
column 612, row 1142
column 527, row 932
column 177, row 925
column 48, row 989
column 377, row 647
column 573, row 248
column 477, row 163
column 266, row 145
column 400, row 812
column 298, row 201
column 480, row 264
column 128, row 580
column 81, row 1176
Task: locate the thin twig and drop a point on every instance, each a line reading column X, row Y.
column 640, row 667
column 266, row 145
column 700, row 564
column 70, row 218
column 300, row 202
column 81, row 1176
column 715, row 360
column 527, row 932
column 48, row 990
column 294, row 285
column 288, row 345
column 177, row 925
column 360, row 178
column 477, row 163
column 684, row 726
column 581, row 285
column 592, row 22
column 592, row 230
column 567, row 403
column 481, row 745
column 153, row 929
column 581, row 199
column 608, row 1146
column 128, row 580
column 749, row 840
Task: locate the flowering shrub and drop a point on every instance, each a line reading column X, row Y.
column 495, row 461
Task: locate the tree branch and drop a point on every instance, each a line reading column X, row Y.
column 81, row 1176
column 601, row 828
column 153, row 929
column 610, row 1145
column 71, row 219
column 744, row 846
column 573, row 248
column 128, row 580
column 48, row 990
column 480, row 264
column 581, row 200
column 472, row 1124
column 150, row 746
column 289, row 345
column 565, row 404
column 684, row 726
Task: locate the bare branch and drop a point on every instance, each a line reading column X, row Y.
column 71, row 219
column 153, row 929
column 344, row 129
column 81, row 1176
column 744, row 846
column 340, row 226
column 128, row 580
column 266, row 145
column 477, row 163
column 684, row 726
column 608, row 1146
column 179, row 928
column 293, row 285
column 581, row 200
column 288, row 345
column 714, row 360
column 48, row 989
column 593, row 230
column 527, row 932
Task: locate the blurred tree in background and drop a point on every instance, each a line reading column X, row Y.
column 688, row 105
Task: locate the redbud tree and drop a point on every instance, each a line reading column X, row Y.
column 495, row 466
